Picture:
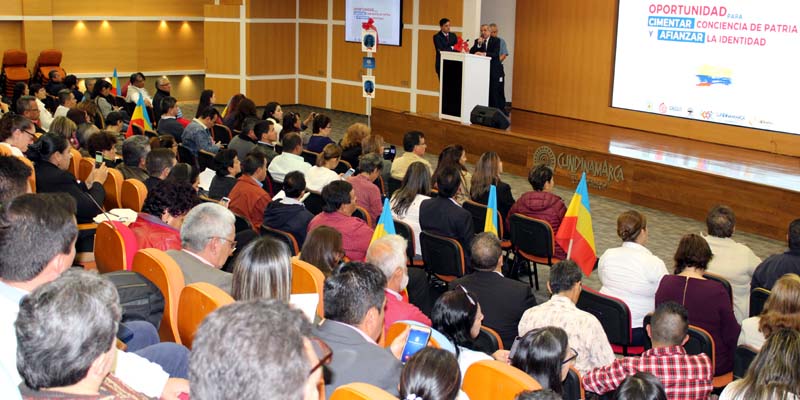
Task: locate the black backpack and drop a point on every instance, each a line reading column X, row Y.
column 141, row 300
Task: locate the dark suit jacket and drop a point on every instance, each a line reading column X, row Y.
column 441, row 216
column 195, row 271
column 51, row 179
column 442, row 43
column 357, row 360
column 492, row 50
column 502, row 300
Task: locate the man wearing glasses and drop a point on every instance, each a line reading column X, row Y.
column 208, row 239
column 27, row 107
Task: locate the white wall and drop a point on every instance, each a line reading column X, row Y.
column 503, row 13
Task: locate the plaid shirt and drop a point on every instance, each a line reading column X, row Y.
column 684, row 377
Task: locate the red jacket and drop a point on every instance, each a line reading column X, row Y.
column 152, row 233
column 249, row 200
column 545, row 206
column 401, row 310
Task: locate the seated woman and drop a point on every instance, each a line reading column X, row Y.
column 457, row 315
column 321, row 129
column 158, row 225
column 782, row 310
column 454, row 155
column 16, row 133
column 263, row 269
column 323, row 173
column 544, row 354
column 431, row 374
column 351, row 142
column 631, row 272
column 64, row 126
column 207, row 99
column 415, row 189
column 374, row 144
column 487, row 173
column 323, row 249
column 274, row 113
column 541, row 203
column 708, row 303
column 774, row 372
column 235, row 119
column 101, row 95
column 227, row 166
column 104, row 142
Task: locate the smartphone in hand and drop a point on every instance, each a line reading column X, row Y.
column 98, row 159
column 418, row 338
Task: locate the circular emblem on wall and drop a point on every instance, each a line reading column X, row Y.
column 544, row 155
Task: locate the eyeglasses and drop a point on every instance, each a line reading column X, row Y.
column 323, row 351
column 572, row 357
column 31, row 134
column 233, row 242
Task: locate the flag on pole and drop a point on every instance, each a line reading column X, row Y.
column 576, row 234
column 491, row 212
column 140, row 118
column 385, row 223
column 115, row 83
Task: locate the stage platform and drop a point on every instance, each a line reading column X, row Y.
column 678, row 175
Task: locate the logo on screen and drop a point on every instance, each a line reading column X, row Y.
column 662, row 108
column 706, row 114
column 709, row 75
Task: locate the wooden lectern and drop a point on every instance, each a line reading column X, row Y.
column 464, row 84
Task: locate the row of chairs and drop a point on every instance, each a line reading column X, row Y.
column 15, row 68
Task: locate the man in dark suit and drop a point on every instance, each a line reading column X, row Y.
column 443, row 41
column 441, row 215
column 488, row 46
column 503, row 300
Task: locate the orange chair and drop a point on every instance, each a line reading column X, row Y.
column 15, row 69
column 74, row 162
column 307, row 278
column 85, row 168
column 48, row 60
column 165, row 273
column 133, row 194
column 443, row 256
column 362, row 213
column 360, row 391
column 113, row 188
column 113, row 250
column 491, row 379
column 197, row 301
column 398, row 328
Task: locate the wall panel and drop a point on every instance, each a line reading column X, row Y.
column 271, row 9
column 392, row 100
column 164, row 46
column 265, row 91
column 37, row 7
column 221, row 11
column 11, row 37
column 12, row 7
column 426, row 62
column 347, row 57
column 270, row 49
column 312, row 93
column 313, row 52
column 347, row 98
column 392, row 62
column 223, row 89
column 105, row 41
column 314, row 9
column 183, row 8
column 427, row 104
column 223, row 38
column 431, row 11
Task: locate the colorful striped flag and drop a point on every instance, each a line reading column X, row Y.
column 385, row 223
column 115, row 83
column 141, row 119
column 491, row 212
column 576, row 234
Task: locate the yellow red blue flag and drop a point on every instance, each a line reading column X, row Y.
column 491, row 212
column 385, row 223
column 575, row 233
column 139, row 118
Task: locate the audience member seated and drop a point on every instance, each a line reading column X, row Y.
column 168, row 124
column 134, row 158
column 323, row 249
column 231, row 360
column 340, row 202
column 71, row 83
column 541, row 394
column 732, row 260
column 101, row 96
column 136, row 89
column 230, row 108
column 684, row 376
column 774, row 372
column 292, row 123
column 369, row 194
column 16, row 134
column 263, row 270
column 641, row 386
column 707, row 301
column 431, row 373
column 374, row 144
column 14, row 175
column 354, row 301
column 159, row 163
column 55, row 83
column 26, row 106
column 288, row 213
column 207, row 236
column 487, row 173
column 37, row 93
column 631, row 272
column 323, row 172
column 414, row 147
column 274, row 114
column 183, row 172
column 782, row 310
column 114, row 124
column 105, row 143
column 406, row 201
column 64, row 126
column 267, row 138
column 207, row 99
column 166, row 205
column 85, row 130
column 351, row 142
column 777, row 265
column 290, row 160
column 541, row 203
column 227, row 166
column 503, row 300
column 545, row 355
column 457, row 315
column 248, row 197
column 585, row 333
column 245, row 142
column 441, row 215
column 163, row 89
column 388, row 253
column 197, row 135
column 321, row 129
column 235, row 119
column 66, row 101
column 78, row 116
column 454, row 155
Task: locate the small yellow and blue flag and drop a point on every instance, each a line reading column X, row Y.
column 115, row 83
column 385, row 223
column 491, row 212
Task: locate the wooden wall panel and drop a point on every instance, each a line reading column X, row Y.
column 271, row 9
column 182, row 8
column 338, row 9
column 11, row 37
column 427, row 104
column 314, row 9
column 223, row 38
column 270, row 49
column 312, row 93
column 392, row 100
column 347, row 57
column 37, row 7
column 221, row 11
column 393, row 66
column 347, row 98
column 12, row 7
column 431, row 11
column 184, row 88
column 426, row 62
column 265, row 91
column 313, row 58
column 223, row 89
column 106, row 41
column 164, row 46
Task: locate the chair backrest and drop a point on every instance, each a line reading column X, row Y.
column 443, row 256
column 133, row 194
column 721, row 280
column 15, row 69
column 742, row 359
column 110, row 251
column 74, row 162
column 488, row 340
column 186, row 156
column 49, row 59
column 407, row 232
column 397, row 328
column 572, row 385
column 360, row 391
column 150, row 134
column 362, row 213
column 314, row 203
column 241, row 223
column 283, row 236
column 341, row 167
column 113, row 188
column 758, row 297
column 85, row 167
column 491, row 379
column 197, row 301
column 393, row 184
column 205, row 159
column 478, row 212
column 221, row 133
column 700, row 341
column 309, row 157
column 137, row 130
column 532, row 236
column 165, row 273
column 307, row 278
column 613, row 314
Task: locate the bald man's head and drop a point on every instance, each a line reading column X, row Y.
column 670, row 324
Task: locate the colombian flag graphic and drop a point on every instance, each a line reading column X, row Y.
column 141, row 118
column 385, row 223
column 575, row 233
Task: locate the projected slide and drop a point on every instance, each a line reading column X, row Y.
column 730, row 61
column 387, row 15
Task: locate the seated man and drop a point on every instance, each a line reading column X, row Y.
column 288, row 213
column 66, row 101
column 207, row 236
column 441, row 215
column 777, row 265
column 245, row 142
column 267, row 137
column 290, row 160
column 503, row 301
column 340, row 202
column 585, row 333
column 159, row 163
column 248, row 198
column 197, row 135
column 414, row 147
column 14, row 175
column 134, row 158
column 684, row 376
column 55, row 84
column 168, row 123
column 388, row 253
column 66, row 335
column 368, row 193
column 354, row 300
